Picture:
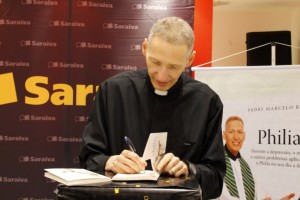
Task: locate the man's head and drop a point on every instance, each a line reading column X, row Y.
column 168, row 51
column 234, row 134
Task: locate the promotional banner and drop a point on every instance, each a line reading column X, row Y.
column 267, row 100
column 53, row 55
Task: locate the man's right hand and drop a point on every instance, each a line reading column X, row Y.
column 127, row 162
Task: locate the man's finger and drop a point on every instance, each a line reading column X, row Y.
column 133, row 160
column 164, row 161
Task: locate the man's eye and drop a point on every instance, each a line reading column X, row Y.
column 156, row 62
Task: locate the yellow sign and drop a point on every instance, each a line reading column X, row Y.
column 8, row 92
column 39, row 91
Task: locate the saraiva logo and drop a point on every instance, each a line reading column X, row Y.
column 120, row 26
column 94, row 4
column 13, row 180
column 118, row 67
column 90, row 45
column 40, row 2
column 63, row 139
column 19, row 22
column 138, row 6
column 8, row 93
column 37, row 93
column 27, row 159
column 66, row 23
column 7, row 138
column 33, row 43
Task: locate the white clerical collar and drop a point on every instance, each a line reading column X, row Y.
column 161, row 93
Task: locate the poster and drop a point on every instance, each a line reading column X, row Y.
column 268, row 100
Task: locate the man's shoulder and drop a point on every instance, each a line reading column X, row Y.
column 198, row 86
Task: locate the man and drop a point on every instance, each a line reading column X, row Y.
column 159, row 99
column 239, row 180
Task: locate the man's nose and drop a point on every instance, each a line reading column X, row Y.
column 235, row 136
column 162, row 74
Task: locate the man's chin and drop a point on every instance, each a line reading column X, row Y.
column 161, row 88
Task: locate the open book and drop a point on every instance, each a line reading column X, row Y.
column 75, row 176
column 147, row 175
column 154, row 150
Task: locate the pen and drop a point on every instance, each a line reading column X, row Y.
column 129, row 144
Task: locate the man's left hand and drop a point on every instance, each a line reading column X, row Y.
column 172, row 165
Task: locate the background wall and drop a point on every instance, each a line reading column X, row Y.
column 231, row 25
column 53, row 55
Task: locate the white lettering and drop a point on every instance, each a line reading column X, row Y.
column 45, row 2
column 155, row 7
column 15, row 139
column 43, row 44
column 41, row 159
column 70, row 65
column 100, row 5
column 42, row 118
column 98, row 46
column 126, row 26
column 14, row 180
column 16, row 64
column 17, row 22
column 124, row 67
column 72, row 139
column 72, row 24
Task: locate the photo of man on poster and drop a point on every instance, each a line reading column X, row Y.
column 239, row 180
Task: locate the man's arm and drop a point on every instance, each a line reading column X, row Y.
column 94, row 151
column 210, row 170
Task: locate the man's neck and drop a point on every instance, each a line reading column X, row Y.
column 231, row 155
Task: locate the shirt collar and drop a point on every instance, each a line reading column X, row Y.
column 175, row 89
column 230, row 155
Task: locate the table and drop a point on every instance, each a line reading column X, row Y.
column 171, row 188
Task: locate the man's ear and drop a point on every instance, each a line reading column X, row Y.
column 191, row 59
column 145, row 46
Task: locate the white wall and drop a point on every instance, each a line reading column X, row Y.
column 296, row 36
column 230, row 28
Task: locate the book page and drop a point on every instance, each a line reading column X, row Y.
column 143, row 175
column 155, row 148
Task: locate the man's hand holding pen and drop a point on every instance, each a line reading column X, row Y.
column 128, row 162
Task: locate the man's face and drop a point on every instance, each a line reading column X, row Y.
column 165, row 62
column 234, row 135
